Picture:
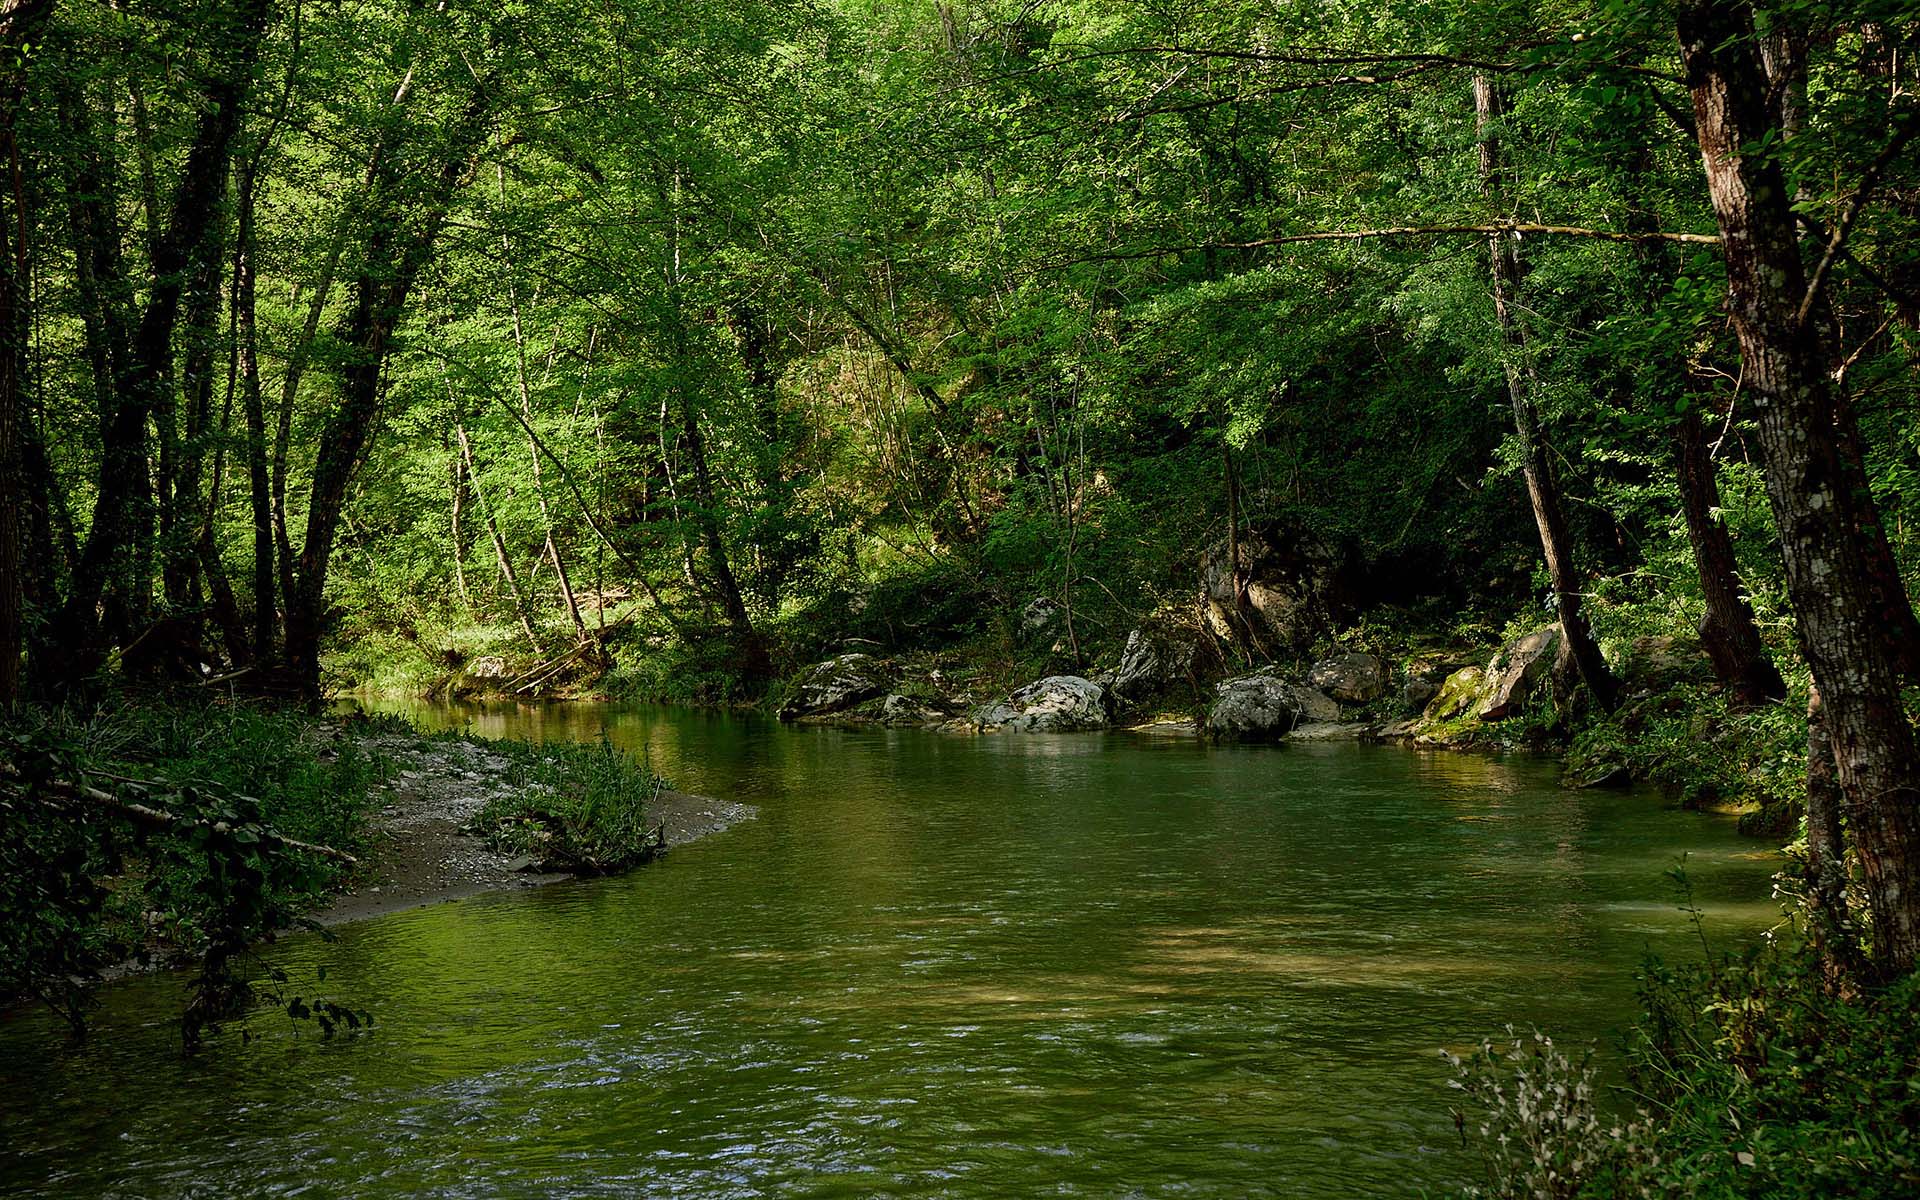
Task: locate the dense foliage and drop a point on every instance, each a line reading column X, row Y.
column 872, row 321
column 670, row 347
column 1750, row 1076
column 193, row 831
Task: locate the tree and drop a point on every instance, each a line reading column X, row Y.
column 1825, row 520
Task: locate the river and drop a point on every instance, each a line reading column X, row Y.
column 1088, row 965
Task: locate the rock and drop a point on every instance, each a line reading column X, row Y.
column 1354, row 677
column 834, row 685
column 1291, row 588
column 1041, row 618
column 1315, row 705
column 897, row 709
column 1151, row 660
column 1400, row 730
column 1056, row 704
column 524, row 863
column 1330, row 731
column 1654, row 664
column 1425, row 673
column 1516, row 671
column 1264, row 707
column 1603, row 775
column 491, row 666
column 1457, row 695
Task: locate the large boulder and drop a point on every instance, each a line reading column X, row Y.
column 1151, row 660
column 1457, row 696
column 1264, row 707
column 1654, row 664
column 898, row 709
column 1353, row 677
column 1424, row 676
column 1056, row 704
column 1290, row 588
column 834, row 686
column 1517, row 671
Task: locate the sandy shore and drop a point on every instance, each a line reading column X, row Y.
column 423, row 854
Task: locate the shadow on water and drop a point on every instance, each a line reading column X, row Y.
column 934, row 965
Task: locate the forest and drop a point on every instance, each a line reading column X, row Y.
column 729, row 354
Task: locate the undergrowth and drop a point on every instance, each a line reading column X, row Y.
column 169, row 827
column 573, row 806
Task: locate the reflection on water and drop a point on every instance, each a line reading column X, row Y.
column 974, row 967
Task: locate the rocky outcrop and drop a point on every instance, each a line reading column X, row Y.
column 1353, row 677
column 1517, row 672
column 896, row 709
column 1425, row 674
column 834, row 686
column 1151, row 660
column 1264, row 707
column 1458, row 695
column 1287, row 593
column 1654, row 664
column 1056, row 704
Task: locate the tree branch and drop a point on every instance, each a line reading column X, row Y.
column 1837, row 242
column 1355, row 235
column 160, row 818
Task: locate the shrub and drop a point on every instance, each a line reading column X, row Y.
column 1753, row 1076
column 578, row 807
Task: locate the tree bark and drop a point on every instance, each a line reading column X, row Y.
column 118, row 516
column 1819, row 515
column 395, row 254
column 19, row 24
column 1728, row 631
column 1543, row 486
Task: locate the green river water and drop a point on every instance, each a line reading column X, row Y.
column 1089, row 965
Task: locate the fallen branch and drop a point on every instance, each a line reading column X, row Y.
column 160, row 818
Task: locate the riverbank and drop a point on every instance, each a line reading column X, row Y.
column 1392, row 676
column 170, row 829
column 425, row 849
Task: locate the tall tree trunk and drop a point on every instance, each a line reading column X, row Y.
column 501, row 558
column 120, row 515
column 1543, row 486
column 747, row 642
column 253, row 411
column 456, row 535
column 1727, row 630
column 181, row 505
column 1831, row 925
column 1782, row 45
column 19, row 23
column 396, row 251
column 526, row 407
column 1819, row 514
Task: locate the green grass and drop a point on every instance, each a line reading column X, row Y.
column 577, row 807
